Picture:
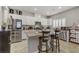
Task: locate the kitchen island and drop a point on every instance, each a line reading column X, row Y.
column 29, row 44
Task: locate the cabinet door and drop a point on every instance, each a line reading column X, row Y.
column 5, row 46
column 0, row 42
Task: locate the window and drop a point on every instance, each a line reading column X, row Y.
column 63, row 21
column 56, row 23
column 20, row 12
column 11, row 11
column 59, row 22
column 53, row 23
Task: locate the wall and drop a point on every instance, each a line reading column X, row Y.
column 0, row 15
column 72, row 16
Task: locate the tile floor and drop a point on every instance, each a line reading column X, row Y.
column 69, row 47
column 65, row 47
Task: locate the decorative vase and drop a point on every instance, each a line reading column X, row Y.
column 3, row 28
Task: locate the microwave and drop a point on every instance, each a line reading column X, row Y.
column 18, row 24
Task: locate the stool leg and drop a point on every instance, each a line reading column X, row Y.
column 52, row 44
column 58, row 46
column 52, row 47
column 47, row 47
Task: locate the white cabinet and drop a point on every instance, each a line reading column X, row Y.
column 29, row 20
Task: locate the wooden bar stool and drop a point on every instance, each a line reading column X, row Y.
column 52, row 41
column 43, row 41
column 57, row 40
column 55, row 45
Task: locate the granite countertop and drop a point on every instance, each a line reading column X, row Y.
column 32, row 33
column 17, row 41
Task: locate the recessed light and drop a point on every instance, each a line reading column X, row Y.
column 59, row 7
column 78, row 25
column 48, row 13
column 35, row 9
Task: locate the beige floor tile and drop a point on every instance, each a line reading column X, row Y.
column 68, row 47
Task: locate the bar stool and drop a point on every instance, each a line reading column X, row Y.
column 55, row 45
column 43, row 41
column 57, row 32
column 52, row 41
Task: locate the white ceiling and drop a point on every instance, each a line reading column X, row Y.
column 43, row 10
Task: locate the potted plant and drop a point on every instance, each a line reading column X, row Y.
column 3, row 26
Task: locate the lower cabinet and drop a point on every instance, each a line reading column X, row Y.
column 4, row 41
column 29, row 45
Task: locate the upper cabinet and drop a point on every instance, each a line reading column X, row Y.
column 13, row 11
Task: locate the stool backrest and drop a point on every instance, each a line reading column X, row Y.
column 45, row 34
column 57, row 33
